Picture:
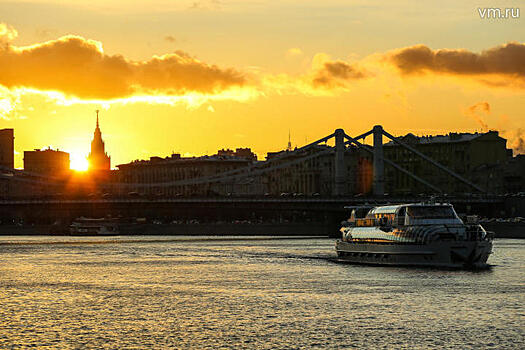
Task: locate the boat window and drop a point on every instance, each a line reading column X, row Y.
column 361, row 212
column 431, row 212
column 401, row 216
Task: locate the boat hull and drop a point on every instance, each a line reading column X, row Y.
column 446, row 254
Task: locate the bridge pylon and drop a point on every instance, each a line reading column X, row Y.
column 340, row 171
column 379, row 162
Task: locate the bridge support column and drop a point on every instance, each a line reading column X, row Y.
column 340, row 178
column 379, row 164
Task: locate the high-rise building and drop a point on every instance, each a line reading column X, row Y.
column 7, row 148
column 50, row 162
column 98, row 158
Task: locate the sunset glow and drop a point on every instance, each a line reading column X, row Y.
column 78, row 162
column 198, row 174
column 183, row 86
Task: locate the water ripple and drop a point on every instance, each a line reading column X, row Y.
column 244, row 294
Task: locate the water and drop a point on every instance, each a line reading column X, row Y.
column 243, row 293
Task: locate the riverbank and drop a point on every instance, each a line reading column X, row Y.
column 224, row 229
column 501, row 229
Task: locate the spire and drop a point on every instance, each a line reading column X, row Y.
column 289, row 147
column 98, row 158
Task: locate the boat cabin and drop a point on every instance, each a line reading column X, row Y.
column 405, row 215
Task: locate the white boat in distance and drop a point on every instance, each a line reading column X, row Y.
column 419, row 234
column 83, row 226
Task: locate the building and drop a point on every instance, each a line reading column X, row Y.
column 48, row 162
column 98, row 158
column 7, row 148
column 513, row 174
column 142, row 175
column 316, row 174
column 503, row 178
column 284, row 172
column 466, row 154
column 239, row 153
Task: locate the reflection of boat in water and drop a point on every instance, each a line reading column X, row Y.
column 424, row 234
column 94, row 227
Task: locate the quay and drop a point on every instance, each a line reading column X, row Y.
column 222, row 216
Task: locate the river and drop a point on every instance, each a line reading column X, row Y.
column 233, row 292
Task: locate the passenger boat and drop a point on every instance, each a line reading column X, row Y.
column 94, row 227
column 420, row 234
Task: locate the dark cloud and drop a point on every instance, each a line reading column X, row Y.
column 79, row 67
column 337, row 73
column 507, row 60
column 170, row 38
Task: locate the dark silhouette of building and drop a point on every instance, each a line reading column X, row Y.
column 98, row 158
column 316, row 175
column 49, row 162
column 238, row 153
column 177, row 168
column 464, row 153
column 503, row 178
column 7, row 148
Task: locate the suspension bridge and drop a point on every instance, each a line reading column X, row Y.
column 319, row 207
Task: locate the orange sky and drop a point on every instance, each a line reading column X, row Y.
column 196, row 76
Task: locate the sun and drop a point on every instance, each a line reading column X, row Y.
column 78, row 162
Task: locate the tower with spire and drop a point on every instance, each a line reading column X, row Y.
column 289, row 146
column 98, row 158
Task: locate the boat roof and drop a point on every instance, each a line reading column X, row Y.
column 366, row 206
column 84, row 219
column 391, row 209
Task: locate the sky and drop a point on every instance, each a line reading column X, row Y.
column 192, row 77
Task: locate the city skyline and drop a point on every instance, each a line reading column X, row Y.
column 261, row 174
column 200, row 76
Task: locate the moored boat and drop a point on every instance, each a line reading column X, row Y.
column 419, row 234
column 83, row 226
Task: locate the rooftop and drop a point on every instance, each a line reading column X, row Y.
column 176, row 158
column 448, row 138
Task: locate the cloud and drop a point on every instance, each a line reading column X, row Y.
column 294, row 52
column 79, row 67
column 338, row 74
column 324, row 77
column 515, row 136
column 517, row 141
column 206, row 5
column 9, row 102
column 170, row 38
column 44, row 33
column 505, row 61
column 484, row 106
column 7, row 35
